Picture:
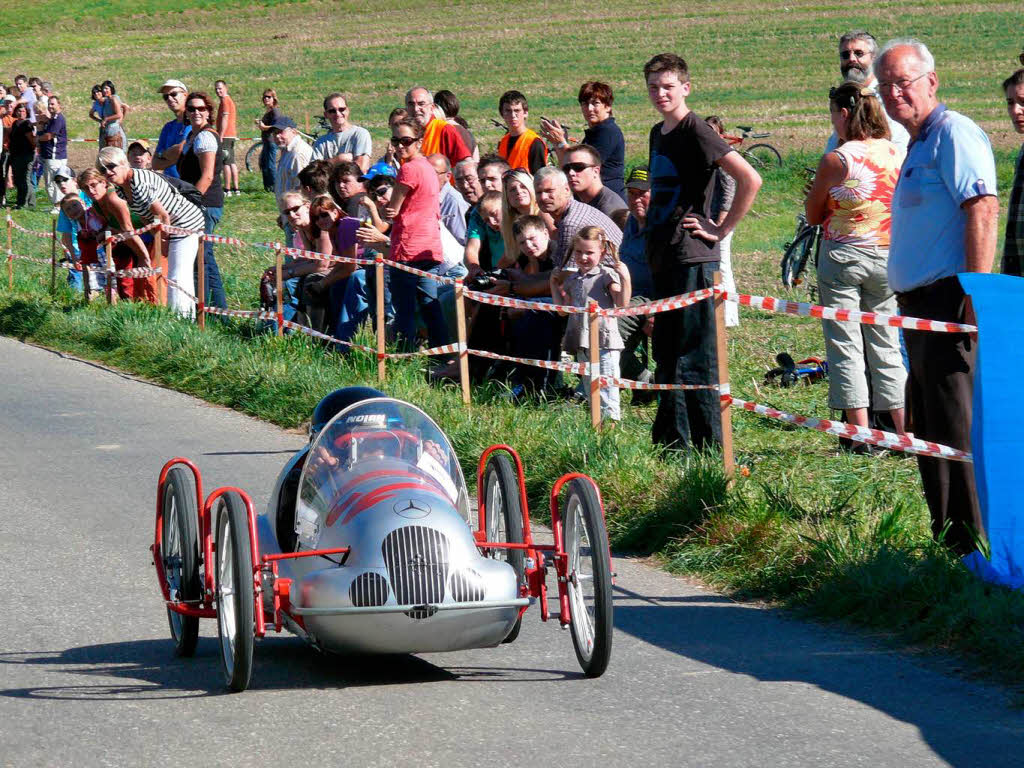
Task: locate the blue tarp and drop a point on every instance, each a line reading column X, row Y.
column 997, row 429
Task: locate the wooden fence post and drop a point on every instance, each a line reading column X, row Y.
column 10, row 257
column 277, row 272
column 109, row 289
column 722, row 346
column 378, row 266
column 460, row 327
column 201, row 275
column 53, row 255
column 158, row 263
column 593, row 329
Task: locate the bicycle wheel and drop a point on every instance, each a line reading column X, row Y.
column 252, row 157
column 794, row 260
column 763, row 156
column 504, row 519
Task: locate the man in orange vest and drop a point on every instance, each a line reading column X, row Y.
column 439, row 136
column 522, row 147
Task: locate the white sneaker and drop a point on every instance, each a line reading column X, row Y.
column 55, row 210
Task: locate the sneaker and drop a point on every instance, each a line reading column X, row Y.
column 54, row 211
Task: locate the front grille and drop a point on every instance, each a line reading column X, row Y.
column 467, row 586
column 417, row 561
column 368, row 589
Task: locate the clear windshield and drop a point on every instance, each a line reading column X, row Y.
column 371, row 436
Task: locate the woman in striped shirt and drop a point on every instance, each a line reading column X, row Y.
column 150, row 196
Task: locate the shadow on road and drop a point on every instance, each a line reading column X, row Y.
column 963, row 722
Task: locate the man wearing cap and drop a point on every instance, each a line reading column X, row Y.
column 294, row 154
column 53, row 149
column 139, row 155
column 438, row 134
column 64, row 178
column 173, row 135
column 632, row 252
column 345, row 142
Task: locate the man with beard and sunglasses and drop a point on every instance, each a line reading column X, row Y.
column 856, row 63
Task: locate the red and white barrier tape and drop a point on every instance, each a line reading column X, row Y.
column 261, row 315
column 313, row 255
column 180, row 231
column 580, row 369
column 318, row 335
column 187, row 291
column 446, row 349
column 853, row 432
column 771, row 304
column 612, row 381
column 138, row 272
column 661, row 305
column 224, row 240
column 14, row 256
column 420, row 272
column 45, row 235
column 122, row 236
column 508, row 301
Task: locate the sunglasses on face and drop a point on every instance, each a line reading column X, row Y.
column 108, row 167
column 197, row 108
column 337, row 110
column 173, row 95
column 405, row 141
column 852, row 54
column 292, row 210
column 380, row 192
column 576, row 167
column 322, row 215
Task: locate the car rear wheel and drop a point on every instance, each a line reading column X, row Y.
column 235, row 591
column 179, row 555
column 589, row 577
column 503, row 518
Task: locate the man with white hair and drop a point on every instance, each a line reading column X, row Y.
column 554, row 197
column 438, row 134
column 856, row 62
column 944, row 213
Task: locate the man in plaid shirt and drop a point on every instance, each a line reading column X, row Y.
column 1013, row 252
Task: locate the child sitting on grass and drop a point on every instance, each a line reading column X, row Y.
column 600, row 276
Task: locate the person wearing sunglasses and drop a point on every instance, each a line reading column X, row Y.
column 857, row 50
column 415, row 211
column 1013, row 250
column 175, row 131
column 152, row 198
column 944, row 214
column 200, row 163
column 438, row 134
column 345, row 142
column 582, row 165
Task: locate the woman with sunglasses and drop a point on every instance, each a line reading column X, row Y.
column 200, row 164
column 111, row 114
column 415, row 212
column 268, row 153
column 152, row 198
column 851, row 197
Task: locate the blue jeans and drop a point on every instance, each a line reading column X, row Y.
column 410, row 292
column 359, row 302
column 268, row 165
column 214, row 295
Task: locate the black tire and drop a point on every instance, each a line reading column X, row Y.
column 179, row 554
column 794, row 260
column 233, row 584
column 503, row 518
column 252, row 157
column 763, row 156
column 586, row 544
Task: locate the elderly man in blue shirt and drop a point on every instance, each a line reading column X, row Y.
column 944, row 214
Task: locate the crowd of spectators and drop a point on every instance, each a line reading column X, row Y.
column 555, row 218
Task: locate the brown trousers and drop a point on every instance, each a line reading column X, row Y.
column 940, row 389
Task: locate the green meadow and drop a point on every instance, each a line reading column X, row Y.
column 836, row 536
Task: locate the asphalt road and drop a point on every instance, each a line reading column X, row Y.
column 89, row 677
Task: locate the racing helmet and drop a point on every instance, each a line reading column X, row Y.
column 337, row 401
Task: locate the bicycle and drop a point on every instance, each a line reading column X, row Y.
column 252, row 155
column 758, row 155
column 806, row 241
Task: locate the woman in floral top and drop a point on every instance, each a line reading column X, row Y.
column 851, row 197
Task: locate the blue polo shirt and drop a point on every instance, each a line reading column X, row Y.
column 949, row 163
column 173, row 132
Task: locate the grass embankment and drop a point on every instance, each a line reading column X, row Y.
column 839, row 536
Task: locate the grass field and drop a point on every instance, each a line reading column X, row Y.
column 844, row 537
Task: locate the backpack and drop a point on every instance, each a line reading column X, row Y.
column 187, row 190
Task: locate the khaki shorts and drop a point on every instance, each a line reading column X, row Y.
column 227, row 151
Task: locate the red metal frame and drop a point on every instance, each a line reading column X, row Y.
column 536, row 570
